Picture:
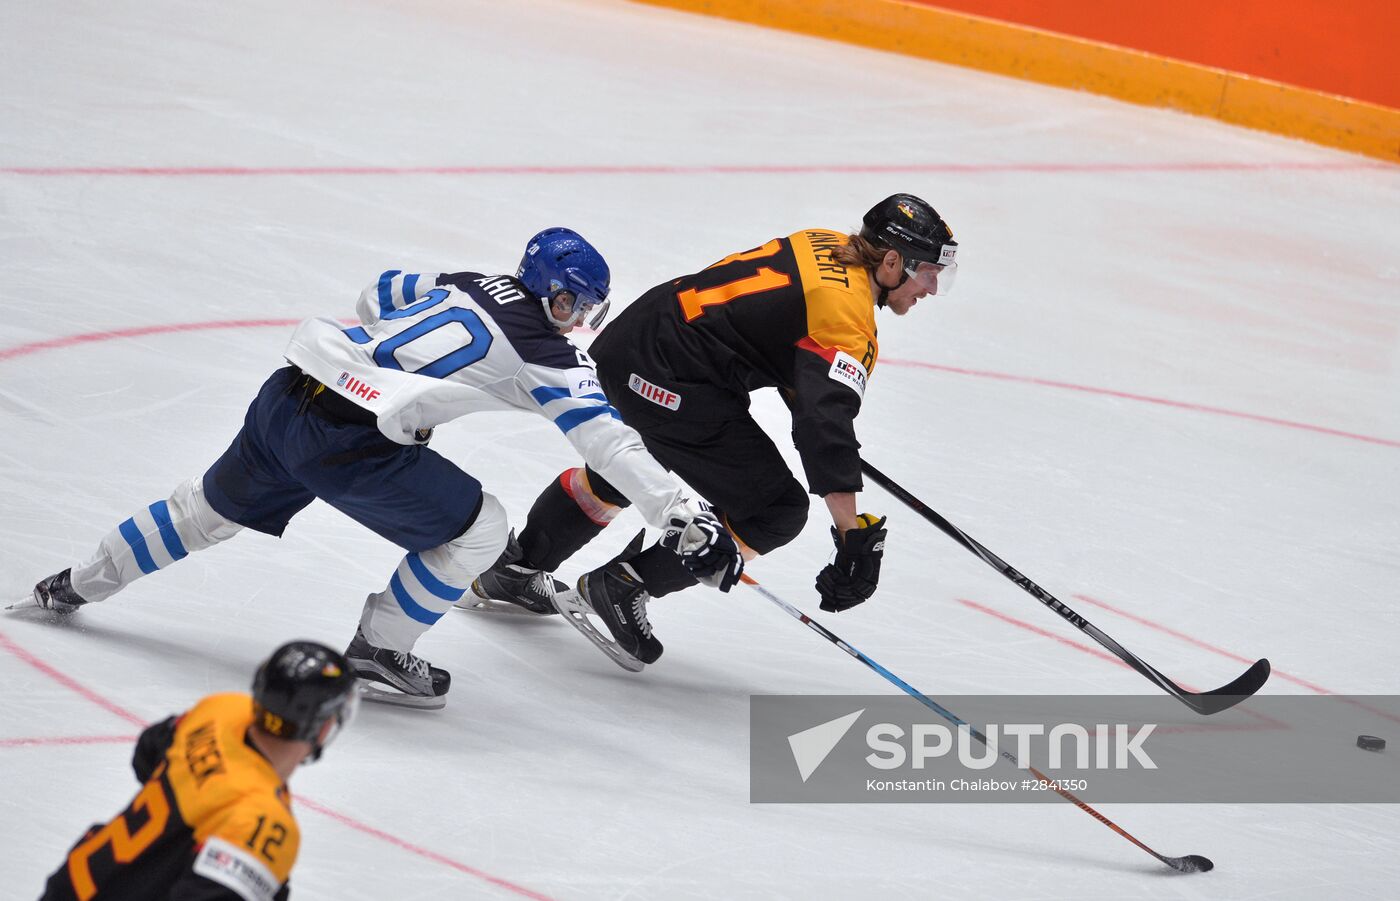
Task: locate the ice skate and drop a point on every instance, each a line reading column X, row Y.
column 509, row 587
column 55, row 594
column 615, row 594
column 397, row 677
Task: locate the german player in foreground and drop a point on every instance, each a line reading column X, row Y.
column 796, row 313
column 349, row 420
column 213, row 820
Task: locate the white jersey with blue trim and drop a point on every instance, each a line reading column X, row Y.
column 433, row 347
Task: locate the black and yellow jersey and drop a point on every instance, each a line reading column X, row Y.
column 784, row 315
column 212, row 821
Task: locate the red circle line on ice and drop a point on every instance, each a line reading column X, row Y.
column 67, row 341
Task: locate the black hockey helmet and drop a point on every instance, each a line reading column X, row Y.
column 909, row 226
column 301, row 687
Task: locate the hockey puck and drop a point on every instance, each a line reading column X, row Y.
column 1370, row 743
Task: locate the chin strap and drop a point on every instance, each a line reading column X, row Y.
column 885, row 292
column 549, row 314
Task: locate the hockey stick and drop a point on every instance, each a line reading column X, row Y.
column 1191, row 863
column 1203, row 702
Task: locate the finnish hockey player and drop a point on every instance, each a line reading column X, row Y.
column 349, row 419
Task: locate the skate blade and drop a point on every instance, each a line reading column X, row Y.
column 31, row 608
column 472, row 603
column 575, row 611
column 373, row 692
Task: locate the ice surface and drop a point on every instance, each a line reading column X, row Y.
column 1167, row 382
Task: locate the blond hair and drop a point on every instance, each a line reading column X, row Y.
column 859, row 252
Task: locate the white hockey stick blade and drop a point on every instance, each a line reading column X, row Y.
column 381, row 694
column 575, row 610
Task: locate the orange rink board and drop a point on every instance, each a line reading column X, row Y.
column 963, row 39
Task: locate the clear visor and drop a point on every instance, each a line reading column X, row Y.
column 578, row 305
column 933, row 278
column 344, row 715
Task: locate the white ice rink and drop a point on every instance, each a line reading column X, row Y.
column 1167, row 388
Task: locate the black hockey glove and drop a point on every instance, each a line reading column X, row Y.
column 706, row 548
column 851, row 578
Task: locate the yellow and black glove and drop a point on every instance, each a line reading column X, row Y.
column 851, row 578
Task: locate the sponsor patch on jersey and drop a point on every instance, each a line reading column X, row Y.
column 357, row 387
column 587, row 385
column 654, row 393
column 847, row 370
column 230, row 866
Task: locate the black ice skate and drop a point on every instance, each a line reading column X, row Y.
column 509, row 587
column 56, row 593
column 397, row 677
column 616, row 595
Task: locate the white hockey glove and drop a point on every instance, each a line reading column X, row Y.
column 706, row 548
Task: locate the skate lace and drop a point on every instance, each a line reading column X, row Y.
column 541, row 585
column 639, row 613
column 416, row 666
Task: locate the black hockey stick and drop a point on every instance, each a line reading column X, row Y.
column 1203, row 702
column 1191, row 863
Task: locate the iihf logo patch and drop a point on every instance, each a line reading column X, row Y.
column 356, row 387
column 654, row 393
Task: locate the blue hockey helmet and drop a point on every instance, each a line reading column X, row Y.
column 558, row 260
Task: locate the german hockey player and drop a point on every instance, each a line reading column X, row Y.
column 213, row 820
column 797, row 313
column 349, row 420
